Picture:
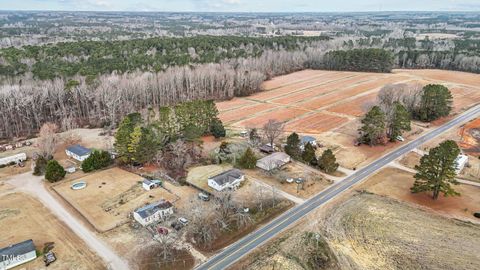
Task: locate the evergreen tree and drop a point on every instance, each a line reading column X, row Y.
column 436, row 102
column 143, row 145
column 97, row 160
column 40, row 165
column 399, row 121
column 373, row 128
column 54, row 171
column 248, row 160
column 192, row 132
column 437, row 170
column 328, row 162
column 308, row 155
column 293, row 146
column 123, row 136
column 217, row 129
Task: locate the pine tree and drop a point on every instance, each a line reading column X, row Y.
column 122, row 136
column 328, row 162
column 437, row 170
column 54, row 171
column 436, row 102
column 293, row 146
column 248, row 160
column 217, row 129
column 399, row 121
column 373, row 128
column 308, row 155
column 97, row 160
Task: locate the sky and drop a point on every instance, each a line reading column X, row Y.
column 243, row 5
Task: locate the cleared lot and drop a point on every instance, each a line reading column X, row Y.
column 110, row 196
column 23, row 218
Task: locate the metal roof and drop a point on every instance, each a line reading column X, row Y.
column 16, row 250
column 151, row 209
column 227, row 176
column 306, row 139
column 79, row 150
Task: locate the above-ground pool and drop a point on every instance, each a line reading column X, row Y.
column 78, row 185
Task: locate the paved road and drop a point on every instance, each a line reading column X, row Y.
column 33, row 185
column 240, row 248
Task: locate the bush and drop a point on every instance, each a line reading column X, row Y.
column 40, row 165
column 54, row 171
column 97, row 160
column 477, row 215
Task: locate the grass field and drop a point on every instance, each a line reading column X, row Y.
column 23, row 218
column 110, row 196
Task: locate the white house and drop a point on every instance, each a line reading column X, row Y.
column 78, row 152
column 230, row 179
column 20, row 157
column 307, row 139
column 273, row 161
column 17, row 254
column 460, row 162
column 153, row 212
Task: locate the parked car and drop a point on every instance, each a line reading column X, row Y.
column 183, row 221
column 400, row 139
column 203, row 196
column 289, row 180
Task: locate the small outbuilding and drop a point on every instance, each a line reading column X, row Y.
column 17, row 254
column 307, row 139
column 273, row 161
column 230, row 179
column 460, row 163
column 78, row 152
column 18, row 158
column 151, row 184
column 153, row 212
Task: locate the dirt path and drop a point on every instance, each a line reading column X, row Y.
column 33, row 185
column 286, row 195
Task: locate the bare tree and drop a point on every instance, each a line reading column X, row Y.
column 272, row 130
column 167, row 245
column 48, row 140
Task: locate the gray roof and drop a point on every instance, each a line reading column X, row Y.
column 306, row 139
column 16, row 250
column 151, row 209
column 227, row 176
column 78, row 150
column 147, row 182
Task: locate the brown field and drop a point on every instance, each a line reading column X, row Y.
column 23, row 218
column 470, row 137
column 109, row 197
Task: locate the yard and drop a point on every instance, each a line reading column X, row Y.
column 110, row 196
column 23, row 218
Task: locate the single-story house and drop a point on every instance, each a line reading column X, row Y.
column 460, row 162
column 273, row 161
column 20, row 157
column 307, row 139
column 151, row 184
column 153, row 212
column 78, row 152
column 267, row 148
column 230, row 179
column 17, row 254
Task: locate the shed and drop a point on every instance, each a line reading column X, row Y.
column 17, row 254
column 273, row 161
column 460, row 163
column 78, row 152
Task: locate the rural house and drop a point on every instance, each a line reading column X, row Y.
column 20, row 157
column 153, row 212
column 78, row 152
column 307, row 139
column 230, row 179
column 17, row 254
column 273, row 161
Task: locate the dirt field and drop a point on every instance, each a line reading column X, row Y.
column 23, row 218
column 110, row 196
column 470, row 138
column 396, row 184
column 366, row 231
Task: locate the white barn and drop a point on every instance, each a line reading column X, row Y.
column 153, row 212
column 20, row 157
column 78, row 152
column 17, row 254
column 230, row 179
